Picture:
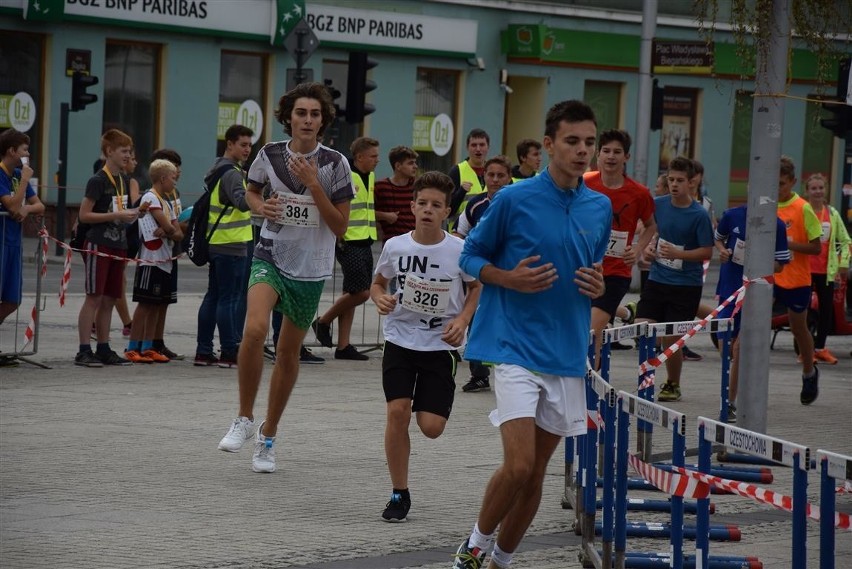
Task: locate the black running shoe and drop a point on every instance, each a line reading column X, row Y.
column 397, row 509
column 110, row 358
column 350, row 353
column 323, row 333
column 810, row 388
column 269, row 353
column 476, row 384
column 205, row 360
column 170, row 354
column 691, row 356
column 87, row 359
column 307, row 357
column 732, row 413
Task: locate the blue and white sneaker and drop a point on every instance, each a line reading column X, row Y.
column 263, row 459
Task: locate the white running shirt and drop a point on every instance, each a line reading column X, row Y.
column 435, row 299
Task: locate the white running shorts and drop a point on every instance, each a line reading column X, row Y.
column 557, row 403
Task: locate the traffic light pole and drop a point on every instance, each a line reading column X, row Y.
column 299, row 55
column 62, row 175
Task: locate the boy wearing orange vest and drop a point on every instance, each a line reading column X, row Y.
column 793, row 284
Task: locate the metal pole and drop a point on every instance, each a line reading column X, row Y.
column 643, row 116
column 62, row 175
column 767, row 121
column 299, row 56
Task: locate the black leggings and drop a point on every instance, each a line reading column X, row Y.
column 825, row 321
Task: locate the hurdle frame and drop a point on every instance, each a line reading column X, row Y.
column 777, row 450
column 833, row 467
column 632, row 405
column 722, row 327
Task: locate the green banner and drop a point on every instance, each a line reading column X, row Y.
column 288, row 14
column 538, row 43
column 227, row 117
column 551, row 45
column 44, row 10
column 420, row 133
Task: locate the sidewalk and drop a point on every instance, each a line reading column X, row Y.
column 118, row 468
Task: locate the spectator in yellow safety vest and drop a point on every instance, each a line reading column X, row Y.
column 469, row 174
column 354, row 253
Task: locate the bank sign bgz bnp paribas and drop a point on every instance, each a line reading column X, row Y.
column 408, row 32
column 183, row 8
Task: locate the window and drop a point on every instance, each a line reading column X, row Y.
column 131, row 94
column 20, row 72
column 436, row 93
column 242, row 99
column 605, row 99
column 740, row 150
column 677, row 137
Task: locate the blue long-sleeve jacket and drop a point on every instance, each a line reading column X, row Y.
column 548, row 331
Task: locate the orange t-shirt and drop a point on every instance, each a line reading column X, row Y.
column 802, row 227
column 630, row 203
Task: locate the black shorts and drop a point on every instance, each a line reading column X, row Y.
column 668, row 303
column 356, row 261
column 152, row 285
column 427, row 378
column 616, row 288
column 174, row 277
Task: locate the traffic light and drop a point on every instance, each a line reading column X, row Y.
column 657, row 106
column 841, row 123
column 335, row 94
column 357, row 87
column 79, row 97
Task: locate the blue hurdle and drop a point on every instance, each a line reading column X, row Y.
column 833, row 468
column 675, row 422
column 598, row 393
column 766, row 447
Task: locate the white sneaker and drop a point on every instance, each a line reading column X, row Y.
column 242, row 429
column 263, row 459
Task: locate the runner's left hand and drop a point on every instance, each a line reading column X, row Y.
column 590, row 280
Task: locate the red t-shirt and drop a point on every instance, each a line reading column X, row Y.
column 631, row 203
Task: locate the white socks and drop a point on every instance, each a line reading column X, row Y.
column 480, row 540
column 502, row 558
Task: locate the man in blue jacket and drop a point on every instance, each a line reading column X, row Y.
column 537, row 293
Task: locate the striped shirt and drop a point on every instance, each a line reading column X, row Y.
column 392, row 198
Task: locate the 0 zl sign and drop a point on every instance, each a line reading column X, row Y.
column 441, row 134
column 17, row 111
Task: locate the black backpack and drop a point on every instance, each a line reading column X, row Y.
column 196, row 242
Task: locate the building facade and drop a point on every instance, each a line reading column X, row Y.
column 177, row 73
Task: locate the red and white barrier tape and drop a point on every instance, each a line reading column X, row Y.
column 671, row 483
column 66, row 278
column 758, row 494
column 648, row 366
column 594, row 420
column 29, row 333
column 44, row 234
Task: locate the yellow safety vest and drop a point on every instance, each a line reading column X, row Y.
column 466, row 174
column 235, row 225
column 362, row 210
